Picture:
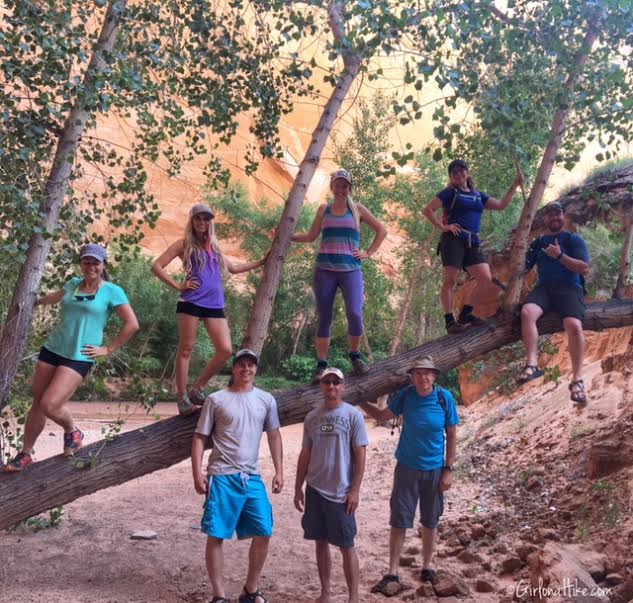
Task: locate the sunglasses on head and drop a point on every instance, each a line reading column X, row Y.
column 331, row 381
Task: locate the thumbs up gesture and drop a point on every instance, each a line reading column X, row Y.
column 553, row 250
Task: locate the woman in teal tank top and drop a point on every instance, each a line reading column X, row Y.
column 72, row 348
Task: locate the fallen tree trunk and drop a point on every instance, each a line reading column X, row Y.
column 57, row 481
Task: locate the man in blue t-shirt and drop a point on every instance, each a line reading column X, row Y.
column 562, row 258
column 423, row 471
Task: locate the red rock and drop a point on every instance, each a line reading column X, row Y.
column 483, row 586
column 510, row 565
column 477, row 531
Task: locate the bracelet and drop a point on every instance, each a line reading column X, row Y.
column 560, row 256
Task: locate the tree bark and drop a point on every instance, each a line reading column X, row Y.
column 18, row 319
column 265, row 297
column 520, row 241
column 625, row 259
column 55, row 481
column 422, row 326
column 406, row 306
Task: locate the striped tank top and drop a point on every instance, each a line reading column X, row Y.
column 340, row 237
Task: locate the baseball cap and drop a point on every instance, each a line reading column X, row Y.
column 344, row 174
column 457, row 164
column 553, row 206
column 425, row 362
column 246, row 353
column 93, row 250
column 201, row 208
column 332, row 371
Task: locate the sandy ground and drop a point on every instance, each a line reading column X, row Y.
column 90, row 556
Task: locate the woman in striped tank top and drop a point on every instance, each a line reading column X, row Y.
column 201, row 298
column 338, row 266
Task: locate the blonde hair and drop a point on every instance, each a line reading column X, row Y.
column 193, row 247
column 353, row 207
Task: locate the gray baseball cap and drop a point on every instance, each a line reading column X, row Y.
column 93, row 250
column 343, row 174
column 246, row 353
column 201, row 208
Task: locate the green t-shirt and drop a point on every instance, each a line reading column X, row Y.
column 82, row 321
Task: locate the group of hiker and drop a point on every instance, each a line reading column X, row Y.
column 333, row 451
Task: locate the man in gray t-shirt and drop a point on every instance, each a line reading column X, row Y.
column 332, row 462
column 236, row 498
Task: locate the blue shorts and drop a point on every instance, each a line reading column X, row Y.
column 237, row 503
column 327, row 520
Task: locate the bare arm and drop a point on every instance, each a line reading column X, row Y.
column 158, row 267
column 353, row 495
column 378, row 414
column 377, row 226
column 302, row 471
column 554, row 251
column 197, row 452
column 277, row 453
column 451, row 454
column 239, row 267
column 430, row 213
column 493, row 203
column 130, row 326
column 315, row 229
column 50, row 298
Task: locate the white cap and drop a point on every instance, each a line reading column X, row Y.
column 332, row 371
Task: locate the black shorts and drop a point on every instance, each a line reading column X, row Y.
column 325, row 519
column 566, row 300
column 411, row 486
column 79, row 366
column 183, row 307
column 455, row 252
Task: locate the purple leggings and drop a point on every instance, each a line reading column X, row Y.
column 351, row 284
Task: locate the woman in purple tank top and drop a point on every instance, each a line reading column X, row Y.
column 338, row 267
column 201, row 298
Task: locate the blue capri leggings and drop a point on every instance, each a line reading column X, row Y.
column 351, row 285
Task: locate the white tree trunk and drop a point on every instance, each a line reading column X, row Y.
column 625, row 259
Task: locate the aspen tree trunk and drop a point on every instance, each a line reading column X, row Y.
column 625, row 259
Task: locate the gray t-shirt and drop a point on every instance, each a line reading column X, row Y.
column 331, row 436
column 236, row 421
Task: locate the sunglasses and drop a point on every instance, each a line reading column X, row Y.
column 79, row 297
column 331, row 381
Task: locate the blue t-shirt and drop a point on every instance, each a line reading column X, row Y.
column 422, row 441
column 467, row 210
column 83, row 321
column 550, row 270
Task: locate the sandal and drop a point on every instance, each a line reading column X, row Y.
column 220, row 600
column 529, row 372
column 577, row 389
column 247, row 597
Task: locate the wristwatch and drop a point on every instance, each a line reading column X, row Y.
column 562, row 253
column 447, row 468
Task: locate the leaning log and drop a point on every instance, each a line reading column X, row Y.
column 57, row 481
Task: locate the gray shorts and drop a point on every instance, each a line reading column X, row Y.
column 325, row 519
column 411, row 486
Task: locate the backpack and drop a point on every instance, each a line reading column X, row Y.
column 397, row 421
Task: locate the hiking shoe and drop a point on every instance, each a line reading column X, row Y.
column 380, row 587
column 427, row 575
column 73, row 441
column 318, row 373
column 359, row 367
column 19, row 462
column 197, row 396
column 470, row 320
column 185, row 406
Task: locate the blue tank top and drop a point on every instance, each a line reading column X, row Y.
column 210, row 293
column 340, row 237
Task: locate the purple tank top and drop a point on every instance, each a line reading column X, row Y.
column 210, row 293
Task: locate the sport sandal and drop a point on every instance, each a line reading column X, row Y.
column 529, row 372
column 577, row 391
column 247, row 597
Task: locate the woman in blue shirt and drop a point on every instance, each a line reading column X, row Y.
column 72, row 349
column 462, row 207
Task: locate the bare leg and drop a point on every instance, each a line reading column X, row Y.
column 483, row 282
column 63, row 385
column 576, row 344
column 215, row 565
column 530, row 313
column 187, row 331
column 324, row 565
column 36, row 419
column 351, row 571
column 256, row 558
column 396, row 542
column 428, row 546
column 354, row 342
column 323, row 347
column 448, row 285
column 220, row 335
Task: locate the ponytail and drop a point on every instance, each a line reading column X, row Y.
column 353, row 207
column 105, row 275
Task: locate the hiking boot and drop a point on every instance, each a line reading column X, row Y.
column 386, row 580
column 470, row 320
column 359, row 367
column 197, row 396
column 73, row 441
column 318, row 373
column 185, row 406
column 19, row 462
column 427, row 575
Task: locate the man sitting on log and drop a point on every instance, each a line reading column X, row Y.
column 332, row 462
column 236, row 498
column 562, row 260
column 423, row 472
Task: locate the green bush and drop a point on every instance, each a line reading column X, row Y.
column 298, row 368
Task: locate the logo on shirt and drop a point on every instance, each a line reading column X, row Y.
column 327, row 428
